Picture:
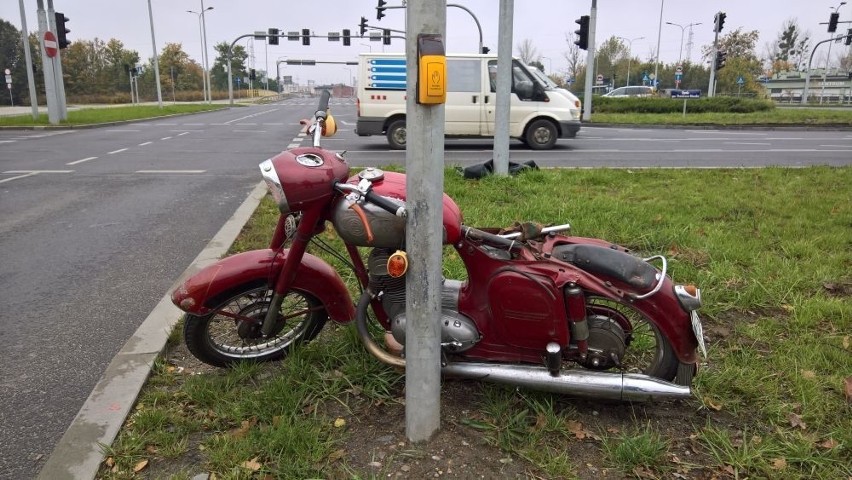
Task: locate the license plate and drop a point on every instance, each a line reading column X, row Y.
column 698, row 330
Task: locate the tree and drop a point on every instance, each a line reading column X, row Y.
column 789, row 51
column 12, row 57
column 179, row 71
column 741, row 61
column 573, row 56
column 219, row 71
column 528, row 53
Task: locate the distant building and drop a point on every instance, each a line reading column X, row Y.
column 788, row 87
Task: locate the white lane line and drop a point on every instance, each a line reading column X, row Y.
column 836, row 146
column 294, row 145
column 145, row 143
column 121, row 130
column 19, row 176
column 170, row 171
column 117, row 151
column 245, row 124
column 297, row 139
column 303, row 134
column 165, row 138
column 747, row 143
column 196, row 124
column 7, row 141
column 250, row 116
column 182, row 134
column 38, row 171
column 75, row 162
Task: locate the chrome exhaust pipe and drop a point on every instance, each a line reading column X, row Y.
column 576, row 383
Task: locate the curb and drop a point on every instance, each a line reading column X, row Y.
column 79, row 453
column 105, row 124
column 704, row 126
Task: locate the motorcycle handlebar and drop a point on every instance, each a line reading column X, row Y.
column 490, row 238
column 323, row 103
column 385, row 204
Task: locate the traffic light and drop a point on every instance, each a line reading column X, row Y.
column 848, row 37
column 252, row 74
column 62, row 30
column 273, row 36
column 347, row 37
column 380, row 10
column 485, row 50
column 721, row 59
column 832, row 22
column 582, row 40
column 363, row 26
column 306, row 36
column 386, row 37
column 719, row 21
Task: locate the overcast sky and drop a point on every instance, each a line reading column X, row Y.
column 544, row 22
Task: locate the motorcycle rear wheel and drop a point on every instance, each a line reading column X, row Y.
column 221, row 341
column 646, row 350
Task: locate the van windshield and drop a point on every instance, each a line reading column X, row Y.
column 546, row 82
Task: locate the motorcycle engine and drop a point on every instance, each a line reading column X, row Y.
column 607, row 343
column 458, row 332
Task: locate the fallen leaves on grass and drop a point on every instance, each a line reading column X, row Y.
column 336, row 455
column 244, row 428
column 847, row 388
column 779, row 464
column 252, row 465
column 713, row 406
column 809, row 374
column 796, row 421
column 339, row 423
column 829, row 444
column 140, row 466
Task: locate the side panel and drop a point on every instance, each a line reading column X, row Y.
column 316, row 277
column 465, row 99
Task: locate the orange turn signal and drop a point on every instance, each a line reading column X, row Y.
column 397, row 264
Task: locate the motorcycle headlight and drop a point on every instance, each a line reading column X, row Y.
column 689, row 297
column 270, row 176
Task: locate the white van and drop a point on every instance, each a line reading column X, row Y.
column 539, row 114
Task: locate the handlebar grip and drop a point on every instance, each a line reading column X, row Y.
column 490, row 238
column 385, row 203
column 323, row 103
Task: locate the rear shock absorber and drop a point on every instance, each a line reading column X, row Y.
column 575, row 301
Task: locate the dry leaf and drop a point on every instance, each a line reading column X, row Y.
column 809, row 374
column 140, row 466
column 109, row 462
column 796, row 421
column 151, row 449
column 829, row 444
column 779, row 464
column 540, row 422
column 847, row 388
column 613, row 430
column 243, row 429
column 729, row 470
column 577, row 429
column 252, row 464
column 336, row 455
column 846, row 342
column 712, row 405
column 339, row 423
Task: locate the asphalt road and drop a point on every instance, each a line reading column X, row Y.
column 96, row 225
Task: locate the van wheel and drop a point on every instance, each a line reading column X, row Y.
column 396, row 135
column 541, row 135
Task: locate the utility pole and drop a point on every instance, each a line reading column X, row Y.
column 424, row 161
column 657, row 59
column 504, row 87
column 25, row 37
column 47, row 64
column 156, row 60
column 590, row 63
column 57, row 71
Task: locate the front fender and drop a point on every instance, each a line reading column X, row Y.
column 200, row 292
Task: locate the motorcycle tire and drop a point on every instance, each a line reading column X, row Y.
column 221, row 341
column 646, row 350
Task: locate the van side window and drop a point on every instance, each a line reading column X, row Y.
column 464, row 75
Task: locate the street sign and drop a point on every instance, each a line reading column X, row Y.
column 50, row 44
column 599, row 79
column 678, row 76
column 679, row 69
column 686, row 93
column 740, row 80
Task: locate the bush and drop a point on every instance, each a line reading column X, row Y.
column 674, row 105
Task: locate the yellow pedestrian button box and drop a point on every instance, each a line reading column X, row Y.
column 432, row 69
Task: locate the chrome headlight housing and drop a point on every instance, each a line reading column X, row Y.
column 270, row 176
column 689, row 297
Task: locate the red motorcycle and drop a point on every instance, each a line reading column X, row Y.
column 539, row 309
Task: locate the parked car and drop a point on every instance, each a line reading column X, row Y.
column 632, row 91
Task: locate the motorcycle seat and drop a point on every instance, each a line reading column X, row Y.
column 609, row 262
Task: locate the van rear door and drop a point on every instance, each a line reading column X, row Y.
column 465, row 102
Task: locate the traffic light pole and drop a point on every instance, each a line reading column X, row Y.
column 25, row 38
column 590, row 63
column 60, row 80
column 711, row 89
column 808, row 74
column 504, row 87
column 47, row 64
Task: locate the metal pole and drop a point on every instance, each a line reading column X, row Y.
column 60, row 80
column 711, row 88
column 504, row 87
column 828, row 60
column 47, row 68
column 424, row 160
column 205, row 57
column 201, row 40
column 590, row 63
column 156, row 60
column 659, row 35
column 479, row 27
column 629, row 55
column 808, row 73
column 25, row 37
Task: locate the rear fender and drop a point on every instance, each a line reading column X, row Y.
column 200, row 292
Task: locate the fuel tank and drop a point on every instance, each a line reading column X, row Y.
column 388, row 229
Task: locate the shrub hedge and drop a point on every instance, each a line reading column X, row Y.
column 673, row 105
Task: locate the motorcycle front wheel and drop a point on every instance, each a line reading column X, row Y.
column 232, row 333
column 622, row 337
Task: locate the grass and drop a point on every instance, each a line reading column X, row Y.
column 91, row 116
column 771, row 250
column 777, row 116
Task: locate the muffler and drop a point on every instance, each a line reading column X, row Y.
column 633, row 387
column 575, row 383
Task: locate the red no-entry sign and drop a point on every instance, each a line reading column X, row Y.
column 50, row 45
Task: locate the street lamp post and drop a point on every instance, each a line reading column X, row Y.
column 828, row 58
column 659, row 35
column 204, row 71
column 156, row 60
column 629, row 55
column 682, row 29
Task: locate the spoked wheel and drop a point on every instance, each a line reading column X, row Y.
column 233, row 331
column 622, row 337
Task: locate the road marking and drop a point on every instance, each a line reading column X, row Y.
column 249, row 131
column 182, row 134
column 250, row 116
column 787, row 138
column 170, row 171
column 165, row 124
column 122, row 130
column 201, row 124
column 7, row 141
column 303, row 134
column 297, row 139
column 165, row 138
column 146, row 143
column 294, row 145
column 19, row 176
column 81, row 161
column 117, row 151
column 245, row 124
column 836, row 146
column 747, row 143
